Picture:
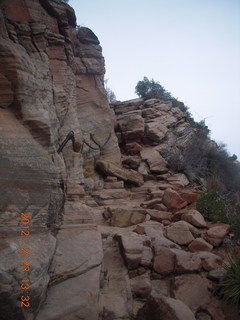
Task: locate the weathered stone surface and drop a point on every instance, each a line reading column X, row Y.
column 213, row 308
column 114, row 185
column 186, row 261
column 217, row 274
column 210, row 261
column 109, row 168
column 189, row 196
column 131, row 125
column 132, row 161
column 139, row 229
column 172, row 200
column 147, row 255
column 41, row 247
column 164, row 262
column 127, row 217
column 151, row 203
column 155, row 161
column 156, row 131
column 161, row 288
column 159, row 215
column 216, row 234
column 178, row 180
column 161, row 242
column 126, row 106
column 203, row 316
column 132, row 250
column 160, row 207
column 179, row 232
column 141, row 286
column 199, row 244
column 51, row 84
column 154, row 229
column 191, row 289
column 156, row 194
column 133, row 148
column 164, row 186
column 67, row 300
column 115, row 300
column 78, row 251
column 6, row 92
column 165, row 308
column 194, row 217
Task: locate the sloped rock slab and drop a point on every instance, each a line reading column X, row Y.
column 192, row 290
column 164, row 308
column 129, row 175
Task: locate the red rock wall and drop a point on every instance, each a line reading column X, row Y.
column 51, row 82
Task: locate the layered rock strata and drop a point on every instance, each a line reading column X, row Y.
column 51, row 80
column 114, row 234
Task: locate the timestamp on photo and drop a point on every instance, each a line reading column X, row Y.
column 25, row 261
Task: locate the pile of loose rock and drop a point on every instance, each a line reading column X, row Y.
column 167, row 254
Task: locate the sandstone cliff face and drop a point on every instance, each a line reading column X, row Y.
column 114, row 234
column 51, row 80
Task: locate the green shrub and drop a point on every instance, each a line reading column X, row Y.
column 152, row 89
column 233, row 211
column 230, row 287
column 212, row 207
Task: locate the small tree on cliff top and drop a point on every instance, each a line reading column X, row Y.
column 151, row 89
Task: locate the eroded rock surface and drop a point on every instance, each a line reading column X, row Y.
column 114, row 233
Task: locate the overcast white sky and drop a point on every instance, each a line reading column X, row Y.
column 192, row 47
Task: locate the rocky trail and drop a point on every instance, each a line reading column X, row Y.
column 114, row 234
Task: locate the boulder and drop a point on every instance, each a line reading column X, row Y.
column 159, row 215
column 186, row 261
column 216, row 234
column 160, row 207
column 131, row 120
column 109, row 168
column 79, row 250
column 164, row 308
column 131, row 125
column 154, row 229
column 114, row 185
column 164, row 262
column 161, row 242
column 132, row 161
column 133, row 148
column 210, row 261
column 139, row 230
column 155, row 161
column 214, row 309
column 203, row 316
column 178, row 180
column 141, row 286
column 122, row 217
column 161, row 287
column 155, row 131
column 192, row 289
column 179, row 232
column 147, row 255
column 199, row 244
column 217, row 274
column 172, row 200
column 132, row 247
column 151, row 203
column 81, row 304
column 194, row 217
column 189, row 196
column 42, row 247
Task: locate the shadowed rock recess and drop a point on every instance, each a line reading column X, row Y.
column 111, row 233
